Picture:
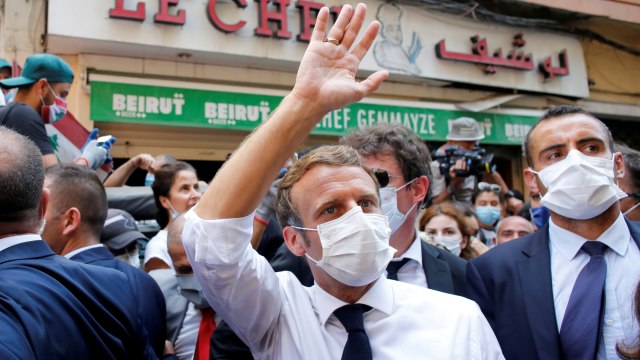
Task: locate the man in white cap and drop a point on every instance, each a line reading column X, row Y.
column 464, row 134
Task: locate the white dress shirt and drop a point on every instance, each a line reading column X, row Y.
column 278, row 318
column 412, row 272
column 623, row 273
column 78, row 251
column 10, row 241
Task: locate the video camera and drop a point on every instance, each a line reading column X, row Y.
column 478, row 161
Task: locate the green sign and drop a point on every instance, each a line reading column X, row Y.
column 157, row 105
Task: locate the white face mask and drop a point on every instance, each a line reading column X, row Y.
column 389, row 206
column 451, row 243
column 355, row 247
column 131, row 258
column 579, row 186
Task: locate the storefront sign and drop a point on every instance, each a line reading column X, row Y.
column 414, row 42
column 230, row 108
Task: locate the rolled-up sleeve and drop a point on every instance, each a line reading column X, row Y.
column 238, row 283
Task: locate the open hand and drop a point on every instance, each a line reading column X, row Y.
column 326, row 77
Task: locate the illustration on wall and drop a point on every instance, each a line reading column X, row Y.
column 389, row 52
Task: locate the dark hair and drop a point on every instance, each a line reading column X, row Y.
column 557, row 112
column 410, row 152
column 478, row 192
column 631, row 160
column 164, row 178
column 21, row 178
column 631, row 352
column 513, row 193
column 79, row 187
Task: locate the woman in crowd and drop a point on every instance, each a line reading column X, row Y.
column 447, row 225
column 487, row 204
column 175, row 191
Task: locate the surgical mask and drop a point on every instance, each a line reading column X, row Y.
column 191, row 290
column 389, row 206
column 451, row 243
column 579, row 186
column 540, row 216
column 355, row 247
column 149, row 179
column 488, row 214
column 174, row 213
column 52, row 113
column 132, row 258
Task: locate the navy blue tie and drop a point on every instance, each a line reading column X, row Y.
column 580, row 330
column 357, row 346
column 394, row 266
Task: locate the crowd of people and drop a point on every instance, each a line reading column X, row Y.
column 366, row 249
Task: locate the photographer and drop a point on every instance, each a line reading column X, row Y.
column 465, row 162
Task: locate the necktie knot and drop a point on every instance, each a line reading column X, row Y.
column 352, row 316
column 394, row 266
column 594, row 248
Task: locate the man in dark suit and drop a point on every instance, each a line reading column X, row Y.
column 73, row 228
column 53, row 308
column 533, row 289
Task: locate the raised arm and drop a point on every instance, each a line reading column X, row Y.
column 325, row 82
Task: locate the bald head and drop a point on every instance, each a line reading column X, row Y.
column 21, row 180
column 176, row 250
column 512, row 227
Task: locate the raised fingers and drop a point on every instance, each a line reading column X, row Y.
column 354, row 26
column 361, row 48
column 320, row 28
column 338, row 29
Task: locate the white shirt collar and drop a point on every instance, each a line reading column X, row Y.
column 414, row 252
column 77, row 251
column 379, row 297
column 616, row 237
column 18, row 239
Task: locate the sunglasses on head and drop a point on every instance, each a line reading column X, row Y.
column 483, row 186
column 382, row 176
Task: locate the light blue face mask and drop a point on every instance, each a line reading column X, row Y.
column 488, row 214
column 149, row 179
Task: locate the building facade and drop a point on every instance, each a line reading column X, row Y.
column 193, row 78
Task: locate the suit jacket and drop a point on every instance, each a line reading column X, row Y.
column 512, row 285
column 150, row 302
column 53, row 308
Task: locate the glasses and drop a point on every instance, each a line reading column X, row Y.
column 483, row 186
column 383, row 177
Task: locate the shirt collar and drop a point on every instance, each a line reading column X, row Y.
column 414, row 252
column 379, row 297
column 616, row 237
column 18, row 239
column 78, row 251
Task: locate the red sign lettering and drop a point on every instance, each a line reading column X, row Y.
column 219, row 24
column 120, row 13
column 280, row 18
column 164, row 17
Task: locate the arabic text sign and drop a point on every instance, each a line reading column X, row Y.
column 157, row 105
